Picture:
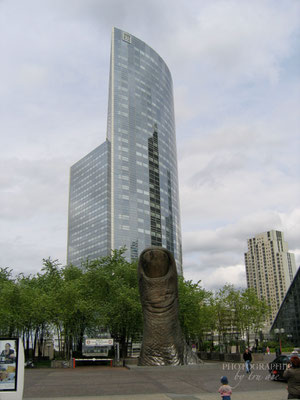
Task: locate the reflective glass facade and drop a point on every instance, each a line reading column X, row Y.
column 144, row 201
column 288, row 316
column 141, row 128
column 89, row 206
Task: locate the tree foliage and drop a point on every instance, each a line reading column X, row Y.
column 237, row 312
column 195, row 309
column 69, row 303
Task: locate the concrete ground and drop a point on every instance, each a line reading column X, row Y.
column 257, row 395
column 199, row 382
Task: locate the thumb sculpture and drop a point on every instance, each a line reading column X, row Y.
column 163, row 341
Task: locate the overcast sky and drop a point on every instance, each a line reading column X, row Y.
column 235, row 67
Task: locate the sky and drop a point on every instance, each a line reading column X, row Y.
column 235, row 66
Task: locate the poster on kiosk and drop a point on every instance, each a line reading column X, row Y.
column 11, row 369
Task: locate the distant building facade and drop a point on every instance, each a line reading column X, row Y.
column 288, row 316
column 139, row 203
column 270, row 268
column 89, row 206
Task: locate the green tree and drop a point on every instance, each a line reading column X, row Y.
column 237, row 312
column 51, row 283
column 255, row 312
column 194, row 309
column 10, row 309
column 71, row 302
column 112, row 288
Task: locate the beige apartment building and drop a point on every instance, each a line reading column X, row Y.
column 270, row 269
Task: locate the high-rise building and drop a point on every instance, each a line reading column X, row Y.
column 125, row 192
column 270, row 268
column 89, row 206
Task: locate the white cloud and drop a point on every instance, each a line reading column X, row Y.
column 211, row 255
column 237, row 170
column 234, row 274
column 291, row 222
column 237, row 40
column 30, row 187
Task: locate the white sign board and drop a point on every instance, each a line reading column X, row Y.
column 11, row 369
column 99, row 342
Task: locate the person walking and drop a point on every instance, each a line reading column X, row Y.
column 225, row 390
column 292, row 375
column 247, row 358
column 268, row 350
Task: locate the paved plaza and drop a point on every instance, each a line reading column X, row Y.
column 151, row 383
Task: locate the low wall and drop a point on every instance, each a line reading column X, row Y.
column 60, row 364
column 131, row 361
column 229, row 357
column 233, row 357
column 204, row 355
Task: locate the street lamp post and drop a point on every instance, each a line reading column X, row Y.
column 278, row 332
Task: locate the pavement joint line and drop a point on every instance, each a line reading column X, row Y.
column 182, row 397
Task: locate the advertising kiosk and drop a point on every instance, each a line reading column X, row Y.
column 11, row 369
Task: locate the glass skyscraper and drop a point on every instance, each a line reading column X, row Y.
column 288, row 316
column 125, row 192
column 89, row 206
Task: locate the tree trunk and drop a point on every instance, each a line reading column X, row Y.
column 123, row 344
column 80, row 340
column 41, row 342
column 35, row 340
column 27, row 344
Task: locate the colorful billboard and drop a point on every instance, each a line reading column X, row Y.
column 8, row 364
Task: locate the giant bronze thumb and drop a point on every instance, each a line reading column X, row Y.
column 163, row 341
